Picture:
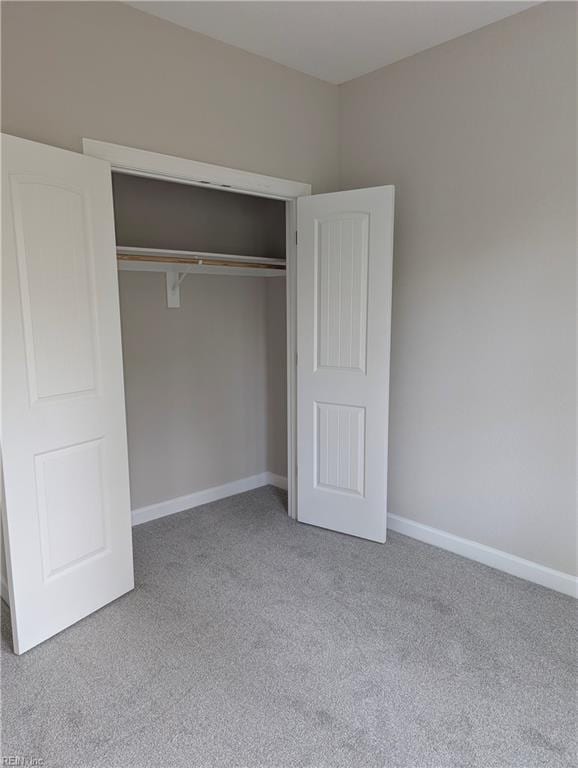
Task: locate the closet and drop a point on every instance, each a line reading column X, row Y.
column 202, row 298
column 249, row 342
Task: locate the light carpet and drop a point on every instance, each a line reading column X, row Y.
column 251, row 641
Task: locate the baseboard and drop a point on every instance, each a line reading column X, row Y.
column 191, row 500
column 277, row 480
column 495, row 558
column 4, row 591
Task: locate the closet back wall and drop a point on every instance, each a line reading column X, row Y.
column 205, row 394
column 162, row 214
column 196, row 383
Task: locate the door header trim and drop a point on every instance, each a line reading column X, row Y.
column 140, row 162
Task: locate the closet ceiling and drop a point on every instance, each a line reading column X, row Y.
column 334, row 41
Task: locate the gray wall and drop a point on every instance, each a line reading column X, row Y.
column 276, row 348
column 107, row 71
column 197, row 383
column 161, row 214
column 478, row 135
column 204, row 384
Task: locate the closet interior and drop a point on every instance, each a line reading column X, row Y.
column 203, row 298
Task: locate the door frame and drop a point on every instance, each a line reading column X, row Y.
column 140, row 162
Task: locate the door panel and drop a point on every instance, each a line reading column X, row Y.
column 341, row 255
column 344, row 265
column 67, row 506
column 340, row 459
column 72, row 516
column 53, row 248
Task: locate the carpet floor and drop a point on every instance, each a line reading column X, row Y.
column 251, row 641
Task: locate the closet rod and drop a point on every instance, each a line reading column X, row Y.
column 204, row 262
column 127, row 253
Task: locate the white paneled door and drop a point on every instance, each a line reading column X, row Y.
column 67, row 510
column 344, row 271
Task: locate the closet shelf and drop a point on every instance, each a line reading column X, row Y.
column 166, row 260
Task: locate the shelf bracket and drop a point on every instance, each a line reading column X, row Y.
column 174, row 280
column 173, row 290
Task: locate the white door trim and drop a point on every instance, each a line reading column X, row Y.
column 291, row 295
column 170, row 168
column 140, row 162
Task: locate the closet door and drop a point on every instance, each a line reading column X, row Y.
column 66, row 519
column 344, row 266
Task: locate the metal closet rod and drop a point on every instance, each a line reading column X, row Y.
column 126, row 253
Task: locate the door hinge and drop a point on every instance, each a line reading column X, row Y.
column 296, row 237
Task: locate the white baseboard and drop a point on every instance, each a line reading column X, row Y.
column 4, row 591
column 164, row 508
column 495, row 558
column 277, row 480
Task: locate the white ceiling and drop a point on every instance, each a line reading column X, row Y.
column 334, row 41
